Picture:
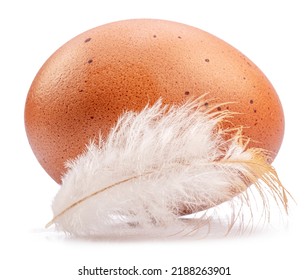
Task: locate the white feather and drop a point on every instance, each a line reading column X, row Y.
column 155, row 166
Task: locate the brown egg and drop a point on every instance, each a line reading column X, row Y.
column 86, row 84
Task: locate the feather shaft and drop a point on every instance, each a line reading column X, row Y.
column 87, row 197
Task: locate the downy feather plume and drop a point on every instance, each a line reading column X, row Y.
column 156, row 166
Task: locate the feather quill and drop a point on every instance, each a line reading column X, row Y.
column 156, row 166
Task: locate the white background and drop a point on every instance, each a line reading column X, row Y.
column 273, row 34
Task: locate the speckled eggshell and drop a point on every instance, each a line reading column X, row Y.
column 86, row 84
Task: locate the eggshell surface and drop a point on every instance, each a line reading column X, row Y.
column 84, row 87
